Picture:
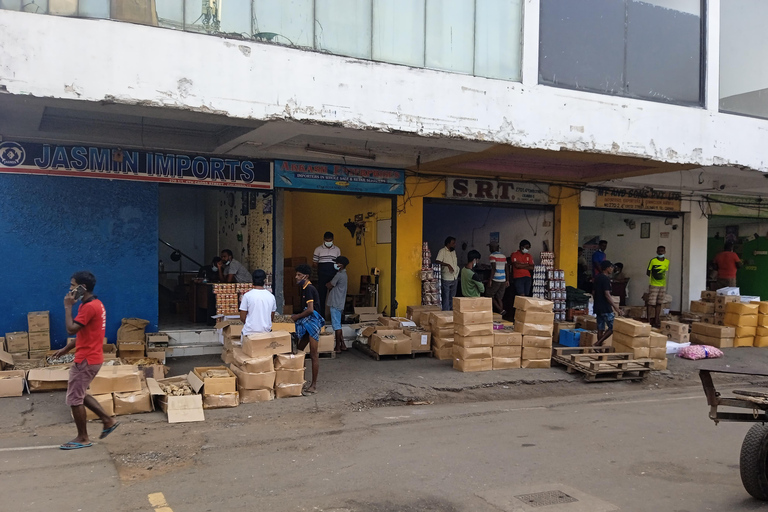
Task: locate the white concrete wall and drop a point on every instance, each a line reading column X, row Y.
column 695, row 251
column 99, row 60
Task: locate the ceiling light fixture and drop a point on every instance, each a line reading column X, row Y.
column 329, row 152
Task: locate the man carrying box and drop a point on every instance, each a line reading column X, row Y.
column 309, row 322
column 88, row 327
column 605, row 309
column 657, row 271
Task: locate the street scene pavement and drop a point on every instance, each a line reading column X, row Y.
column 406, row 435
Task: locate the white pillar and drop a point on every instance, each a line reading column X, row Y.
column 694, row 255
column 530, row 63
column 712, row 74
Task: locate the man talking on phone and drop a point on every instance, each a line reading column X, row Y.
column 88, row 327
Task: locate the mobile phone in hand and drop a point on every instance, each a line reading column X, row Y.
column 78, row 292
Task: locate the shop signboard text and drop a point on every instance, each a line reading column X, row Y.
column 339, row 178
column 134, row 165
column 638, row 199
column 480, row 189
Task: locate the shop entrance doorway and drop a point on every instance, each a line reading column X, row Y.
column 750, row 239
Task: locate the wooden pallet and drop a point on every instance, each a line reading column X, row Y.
column 601, row 364
column 365, row 349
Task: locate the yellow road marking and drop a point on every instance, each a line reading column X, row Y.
column 157, row 500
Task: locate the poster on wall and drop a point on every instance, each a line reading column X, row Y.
column 339, row 178
column 638, row 199
column 132, row 165
column 731, row 206
column 480, row 189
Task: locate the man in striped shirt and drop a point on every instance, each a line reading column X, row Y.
column 499, row 278
column 324, row 257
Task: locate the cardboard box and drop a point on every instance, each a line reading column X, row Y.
column 286, row 327
column 637, row 352
column 325, row 343
column 442, row 342
column 267, row 343
column 473, row 318
column 698, row 306
column 531, row 304
column 560, row 326
column 762, row 320
column 157, row 337
column 734, row 320
column 444, row 353
column 761, row 341
column 508, row 351
column 472, row 304
column 714, row 331
column 534, row 317
column 537, row 352
column 659, row 364
column 761, row 331
column 762, row 307
column 415, row 312
column 390, row 342
column 389, row 323
column 747, row 341
column 289, row 376
column 506, row 363
column 106, row 403
column 38, row 321
column 111, row 379
column 729, row 291
column 216, row 385
column 227, row 356
column 420, row 340
column 702, row 339
column 179, row 409
column 658, row 340
column 441, row 319
column 248, row 380
column 674, row 329
column 534, row 329
column 507, row 338
column 133, row 402
column 473, row 365
column 658, row 353
column 221, row 400
column 708, row 295
column 589, row 338
column 537, row 342
column 48, row 379
column 442, row 333
column 289, row 390
column 131, row 349
column 367, row 314
column 109, row 348
column 745, row 331
column 132, row 329
column 250, row 396
column 289, row 361
column 536, row 363
column 16, row 342
column 12, row 383
column 631, row 327
column 474, row 330
column 465, row 353
column 632, row 341
column 473, row 341
column 739, row 308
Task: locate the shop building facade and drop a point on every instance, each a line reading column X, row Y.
column 485, row 91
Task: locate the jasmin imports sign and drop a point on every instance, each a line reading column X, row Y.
column 638, row 199
column 481, row 189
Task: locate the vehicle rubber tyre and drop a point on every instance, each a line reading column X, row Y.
column 754, row 462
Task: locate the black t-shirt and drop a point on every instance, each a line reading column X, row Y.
column 309, row 294
column 602, row 284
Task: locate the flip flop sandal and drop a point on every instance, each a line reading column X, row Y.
column 107, row 431
column 75, row 446
column 306, row 392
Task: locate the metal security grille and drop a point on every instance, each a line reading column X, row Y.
column 543, row 499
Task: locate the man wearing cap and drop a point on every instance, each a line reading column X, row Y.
column 605, row 309
column 499, row 278
column 323, row 259
column 258, row 307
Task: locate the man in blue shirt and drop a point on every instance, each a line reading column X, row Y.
column 597, row 258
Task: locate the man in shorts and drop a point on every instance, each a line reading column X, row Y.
column 657, row 290
column 88, row 327
column 605, row 309
column 499, row 278
column 337, row 298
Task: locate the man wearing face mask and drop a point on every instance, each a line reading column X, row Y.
column 471, row 286
column 210, row 272
column 449, row 272
column 657, row 271
column 308, row 323
column 522, row 268
column 323, row 258
column 231, row 270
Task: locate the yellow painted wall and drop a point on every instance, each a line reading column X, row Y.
column 310, row 214
column 566, row 201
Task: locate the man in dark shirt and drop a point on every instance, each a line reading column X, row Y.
column 309, row 322
column 210, row 272
column 604, row 305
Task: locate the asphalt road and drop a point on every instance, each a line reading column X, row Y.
column 631, row 451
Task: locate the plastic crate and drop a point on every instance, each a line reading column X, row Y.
column 571, row 337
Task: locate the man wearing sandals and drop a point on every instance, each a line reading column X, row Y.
column 309, row 322
column 88, row 327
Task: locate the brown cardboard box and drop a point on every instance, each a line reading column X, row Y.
column 326, row 343
column 289, row 361
column 762, row 331
column 111, row 379
column 708, row 295
column 473, row 318
column 588, row 339
column 442, row 342
column 637, row 352
column 722, row 300
column 390, row 342
column 157, row 338
column 157, row 353
column 216, row 385
column 248, row 380
column 441, row 319
column 590, row 323
column 534, row 329
column 734, row 320
column 133, row 402
column 415, row 312
column 534, row 317
column 536, row 363
column 708, row 319
column 659, row 364
column 442, row 333
column 474, row 330
column 632, row 341
column 389, row 323
column 286, row 327
column 267, row 343
column 250, row 396
column 631, row 327
column 536, row 342
column 233, row 330
column 674, row 329
column 227, row 356
column 460, row 352
column 132, row 329
column 16, row 342
column 106, row 402
column 658, row 340
column 289, row 376
column 473, row 365
column 473, row 341
column 762, row 307
column 739, row 308
column 761, row 341
column 179, row 409
column 658, row 353
column 714, row 331
column 38, row 354
column 472, row 304
column 420, row 340
column 744, row 331
column 508, row 351
column 288, row 390
column 38, row 321
column 444, row 353
column 367, row 314
column 131, row 349
column 706, row 308
column 536, row 352
column 221, row 400
column 703, row 339
column 561, row 326
column 48, row 379
column 762, row 320
column 531, row 304
column 507, row 338
column 12, row 383
column 747, row 341
column 506, row 363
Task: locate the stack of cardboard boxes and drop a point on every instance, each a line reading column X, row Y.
column 676, row 331
column 230, row 331
column 507, row 349
column 442, row 326
column 255, row 376
column 265, row 358
column 39, row 334
column 761, row 334
column 120, row 390
column 534, row 320
column 17, row 344
column 219, row 387
column 721, row 304
column 131, row 339
column 719, row 336
column 633, row 337
column 473, row 337
column 743, row 318
column 704, row 310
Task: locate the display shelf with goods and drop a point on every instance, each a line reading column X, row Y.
column 556, row 292
column 540, row 273
column 229, row 296
column 430, row 279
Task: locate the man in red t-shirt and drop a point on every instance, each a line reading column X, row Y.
column 88, row 327
column 522, row 268
column 726, row 263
